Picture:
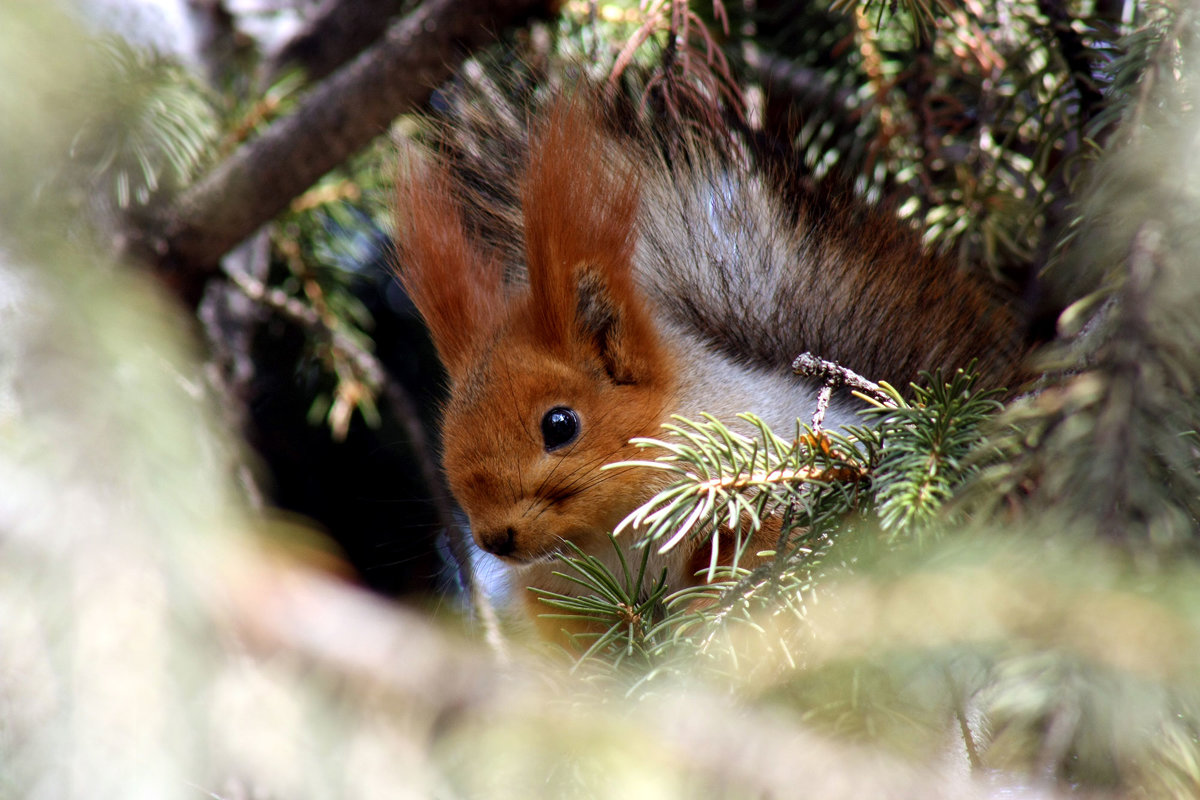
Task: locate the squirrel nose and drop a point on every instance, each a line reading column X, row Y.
column 500, row 542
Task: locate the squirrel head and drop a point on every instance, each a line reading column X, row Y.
column 551, row 377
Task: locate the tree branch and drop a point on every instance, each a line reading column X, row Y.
column 338, row 31
column 340, row 116
column 836, row 376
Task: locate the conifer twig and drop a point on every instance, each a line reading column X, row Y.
column 694, row 75
column 824, row 397
column 835, row 376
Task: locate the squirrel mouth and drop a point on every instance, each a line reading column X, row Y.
column 503, row 545
column 520, row 559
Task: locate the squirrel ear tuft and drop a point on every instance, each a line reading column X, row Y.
column 614, row 327
column 580, row 202
column 457, row 288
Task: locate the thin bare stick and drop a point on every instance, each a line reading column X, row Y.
column 823, row 398
column 834, row 376
column 373, row 374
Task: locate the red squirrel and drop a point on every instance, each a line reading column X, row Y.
column 635, row 285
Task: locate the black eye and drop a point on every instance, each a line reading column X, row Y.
column 560, row 426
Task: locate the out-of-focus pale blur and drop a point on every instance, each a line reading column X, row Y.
column 125, row 550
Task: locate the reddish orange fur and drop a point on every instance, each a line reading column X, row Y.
column 580, row 212
column 457, row 288
column 577, row 213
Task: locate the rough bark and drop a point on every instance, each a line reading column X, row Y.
column 338, row 31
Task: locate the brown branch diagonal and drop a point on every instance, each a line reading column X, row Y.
column 336, row 119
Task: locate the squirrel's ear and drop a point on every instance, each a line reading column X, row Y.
column 611, row 324
column 456, row 287
column 580, row 202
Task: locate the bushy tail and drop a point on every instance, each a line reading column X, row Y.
column 743, row 250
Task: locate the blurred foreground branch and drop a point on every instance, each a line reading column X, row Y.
column 701, row 733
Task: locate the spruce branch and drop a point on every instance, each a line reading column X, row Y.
column 694, row 75
column 925, row 447
column 1109, row 443
column 881, row 85
column 922, row 13
column 803, row 86
column 725, row 480
column 1157, row 74
column 150, row 129
column 618, row 611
